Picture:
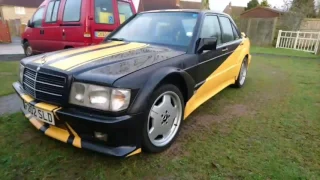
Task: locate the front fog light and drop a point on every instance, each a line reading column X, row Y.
column 120, row 99
column 101, row 136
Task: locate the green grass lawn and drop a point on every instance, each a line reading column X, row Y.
column 269, row 129
column 283, row 52
column 8, row 74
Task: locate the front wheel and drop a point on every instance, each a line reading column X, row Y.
column 28, row 51
column 242, row 74
column 164, row 120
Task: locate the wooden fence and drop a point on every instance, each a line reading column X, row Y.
column 5, row 36
column 302, row 41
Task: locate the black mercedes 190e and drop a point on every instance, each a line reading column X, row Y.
column 133, row 91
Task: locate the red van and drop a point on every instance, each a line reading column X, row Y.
column 61, row 24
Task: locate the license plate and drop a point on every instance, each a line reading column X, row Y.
column 101, row 34
column 39, row 114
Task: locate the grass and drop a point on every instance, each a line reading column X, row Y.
column 283, row 52
column 269, row 129
column 9, row 73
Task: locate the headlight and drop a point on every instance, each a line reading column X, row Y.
column 21, row 70
column 99, row 97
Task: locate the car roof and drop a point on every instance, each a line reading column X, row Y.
column 186, row 10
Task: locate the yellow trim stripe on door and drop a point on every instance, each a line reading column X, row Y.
column 82, row 59
column 78, row 50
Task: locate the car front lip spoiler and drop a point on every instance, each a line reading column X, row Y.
column 69, row 136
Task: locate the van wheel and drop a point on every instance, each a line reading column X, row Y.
column 28, row 51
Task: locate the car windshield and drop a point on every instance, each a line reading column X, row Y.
column 165, row 28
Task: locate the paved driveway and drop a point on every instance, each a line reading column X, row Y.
column 12, row 48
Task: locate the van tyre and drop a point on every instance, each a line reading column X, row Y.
column 28, row 51
column 242, row 76
column 164, row 118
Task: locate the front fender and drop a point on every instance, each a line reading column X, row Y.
column 140, row 102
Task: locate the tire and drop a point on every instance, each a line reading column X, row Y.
column 163, row 118
column 27, row 49
column 242, row 76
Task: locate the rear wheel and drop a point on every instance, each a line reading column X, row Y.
column 28, row 51
column 242, row 74
column 165, row 116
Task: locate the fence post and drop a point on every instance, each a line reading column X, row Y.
column 248, row 27
column 317, row 44
column 278, row 40
column 296, row 41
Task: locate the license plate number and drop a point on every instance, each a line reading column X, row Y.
column 101, row 34
column 39, row 114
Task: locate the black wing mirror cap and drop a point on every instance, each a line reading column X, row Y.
column 207, row 44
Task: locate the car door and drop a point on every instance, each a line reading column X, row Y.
column 232, row 45
column 36, row 36
column 52, row 35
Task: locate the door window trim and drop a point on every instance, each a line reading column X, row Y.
column 64, row 9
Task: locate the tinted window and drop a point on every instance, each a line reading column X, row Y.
column 235, row 32
column 52, row 11
column 72, row 11
column 125, row 11
column 227, row 30
column 104, row 12
column 166, row 28
column 38, row 17
column 211, row 28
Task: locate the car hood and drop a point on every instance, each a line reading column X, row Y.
column 103, row 63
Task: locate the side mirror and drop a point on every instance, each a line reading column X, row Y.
column 243, row 35
column 30, row 24
column 207, row 44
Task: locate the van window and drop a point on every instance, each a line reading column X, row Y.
column 38, row 17
column 104, row 12
column 125, row 11
column 72, row 11
column 52, row 11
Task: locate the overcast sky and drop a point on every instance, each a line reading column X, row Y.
column 219, row 5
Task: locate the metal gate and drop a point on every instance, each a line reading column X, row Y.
column 302, row 41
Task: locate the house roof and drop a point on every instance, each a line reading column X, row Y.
column 234, row 10
column 23, row 3
column 190, row 5
column 266, row 8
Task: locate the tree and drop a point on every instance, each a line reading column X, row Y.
column 205, row 4
column 296, row 12
column 265, row 3
column 252, row 4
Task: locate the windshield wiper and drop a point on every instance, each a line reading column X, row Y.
column 117, row 39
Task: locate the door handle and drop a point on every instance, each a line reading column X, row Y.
column 225, row 49
column 42, row 31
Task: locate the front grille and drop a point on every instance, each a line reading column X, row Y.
column 43, row 86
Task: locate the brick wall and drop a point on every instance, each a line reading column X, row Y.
column 260, row 13
column 8, row 13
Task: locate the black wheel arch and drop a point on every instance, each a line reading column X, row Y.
column 171, row 75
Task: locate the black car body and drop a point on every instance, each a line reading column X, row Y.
column 199, row 70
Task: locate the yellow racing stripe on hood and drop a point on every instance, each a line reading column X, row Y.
column 82, row 59
column 78, row 50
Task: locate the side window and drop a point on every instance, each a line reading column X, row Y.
column 72, row 11
column 38, row 17
column 211, row 28
column 227, row 30
column 125, row 11
column 103, row 11
column 52, row 11
column 235, row 32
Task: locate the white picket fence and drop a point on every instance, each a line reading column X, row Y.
column 302, row 41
